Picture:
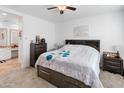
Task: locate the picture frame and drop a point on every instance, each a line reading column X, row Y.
column 81, row 31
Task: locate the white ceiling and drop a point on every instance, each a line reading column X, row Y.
column 9, row 18
column 41, row 11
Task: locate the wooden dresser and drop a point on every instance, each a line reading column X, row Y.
column 35, row 51
column 112, row 64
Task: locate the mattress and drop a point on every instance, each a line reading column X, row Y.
column 82, row 63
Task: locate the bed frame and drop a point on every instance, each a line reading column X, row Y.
column 92, row 43
column 60, row 80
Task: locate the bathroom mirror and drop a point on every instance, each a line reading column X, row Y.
column 14, row 36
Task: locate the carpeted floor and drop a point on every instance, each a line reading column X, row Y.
column 15, row 77
column 9, row 65
column 111, row 80
column 27, row 78
column 23, row 78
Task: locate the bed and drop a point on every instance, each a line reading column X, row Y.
column 77, row 69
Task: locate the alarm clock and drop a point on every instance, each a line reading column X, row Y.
column 43, row 40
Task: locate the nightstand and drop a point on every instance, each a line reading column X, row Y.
column 111, row 63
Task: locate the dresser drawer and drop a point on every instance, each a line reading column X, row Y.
column 41, row 50
column 40, row 46
column 113, row 63
column 113, row 68
column 113, row 59
column 37, row 55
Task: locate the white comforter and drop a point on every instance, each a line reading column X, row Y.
column 81, row 64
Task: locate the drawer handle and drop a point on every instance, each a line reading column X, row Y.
column 113, row 63
column 113, row 67
column 44, row 72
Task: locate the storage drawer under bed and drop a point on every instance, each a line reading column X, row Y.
column 58, row 79
column 44, row 73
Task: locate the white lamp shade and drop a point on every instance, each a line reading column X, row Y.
column 116, row 48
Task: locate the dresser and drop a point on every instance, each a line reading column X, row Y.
column 35, row 51
column 112, row 64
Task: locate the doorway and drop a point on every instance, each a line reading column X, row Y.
column 10, row 40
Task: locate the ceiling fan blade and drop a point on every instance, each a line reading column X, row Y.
column 51, row 8
column 71, row 8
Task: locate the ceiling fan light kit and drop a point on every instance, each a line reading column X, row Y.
column 62, row 8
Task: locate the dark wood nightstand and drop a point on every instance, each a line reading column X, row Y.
column 112, row 64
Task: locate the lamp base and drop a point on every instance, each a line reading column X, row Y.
column 118, row 54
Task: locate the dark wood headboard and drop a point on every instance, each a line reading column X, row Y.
column 93, row 43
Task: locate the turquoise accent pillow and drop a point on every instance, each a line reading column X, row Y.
column 49, row 57
column 65, row 53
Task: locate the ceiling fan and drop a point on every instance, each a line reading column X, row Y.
column 62, row 8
